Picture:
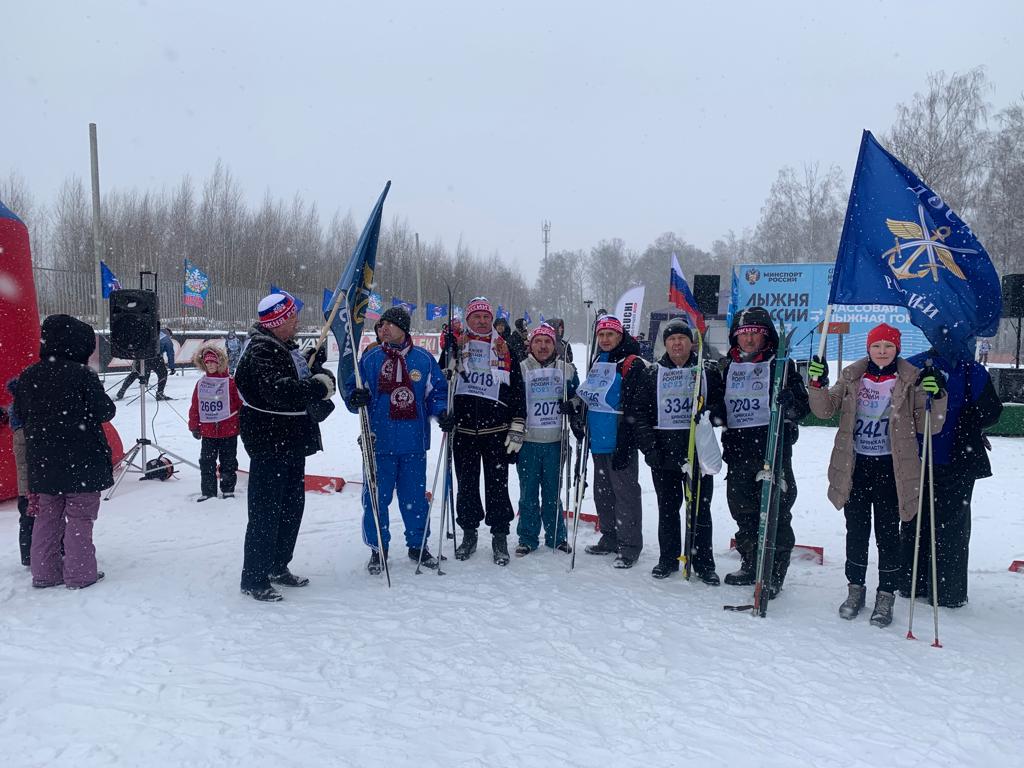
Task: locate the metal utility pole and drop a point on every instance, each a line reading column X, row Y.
column 545, row 228
column 96, row 232
column 419, row 284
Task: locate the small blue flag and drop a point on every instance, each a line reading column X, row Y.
column 356, row 282
column 526, row 317
column 196, row 286
column 325, row 306
column 406, row 305
column 110, row 281
column 903, row 246
column 436, row 311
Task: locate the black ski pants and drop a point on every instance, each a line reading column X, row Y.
column 225, row 451
column 276, row 498
column 155, row 364
column 953, row 491
column 469, row 451
column 25, row 524
column 874, row 487
column 668, row 485
column 743, row 492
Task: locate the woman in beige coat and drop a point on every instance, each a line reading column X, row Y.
column 875, row 462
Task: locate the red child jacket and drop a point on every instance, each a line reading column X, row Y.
column 226, row 428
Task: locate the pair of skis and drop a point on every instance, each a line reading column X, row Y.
column 773, row 484
column 692, row 486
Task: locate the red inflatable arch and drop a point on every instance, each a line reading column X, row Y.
column 19, row 327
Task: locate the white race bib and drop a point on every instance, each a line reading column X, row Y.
column 747, row 395
column 214, row 399
column 543, row 391
column 675, row 396
column 594, row 392
column 871, row 429
column 477, row 377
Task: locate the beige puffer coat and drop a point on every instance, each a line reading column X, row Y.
column 905, row 422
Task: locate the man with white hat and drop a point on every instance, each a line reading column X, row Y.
column 284, row 396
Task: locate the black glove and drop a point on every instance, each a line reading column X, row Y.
column 566, row 407
column 932, row 381
column 653, row 458
column 447, row 421
column 359, row 397
column 317, row 359
column 817, row 369
column 197, row 434
column 786, row 399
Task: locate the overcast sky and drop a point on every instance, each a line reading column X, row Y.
column 609, row 119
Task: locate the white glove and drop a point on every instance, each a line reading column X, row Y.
column 516, row 432
column 686, row 469
column 328, row 383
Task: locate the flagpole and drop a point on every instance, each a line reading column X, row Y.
column 824, row 332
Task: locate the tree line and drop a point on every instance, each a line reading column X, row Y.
column 948, row 134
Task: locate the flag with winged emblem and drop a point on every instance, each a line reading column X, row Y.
column 353, row 291
column 903, row 246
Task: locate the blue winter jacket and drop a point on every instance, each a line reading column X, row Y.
column 167, row 348
column 431, row 393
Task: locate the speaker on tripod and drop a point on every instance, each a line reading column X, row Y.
column 134, row 323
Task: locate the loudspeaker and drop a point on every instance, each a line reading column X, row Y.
column 705, row 291
column 1013, row 295
column 134, row 324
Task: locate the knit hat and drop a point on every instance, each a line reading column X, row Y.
column 675, row 326
column 397, row 316
column 275, row 309
column 609, row 323
column 479, row 304
column 884, row 332
column 210, row 356
column 543, row 330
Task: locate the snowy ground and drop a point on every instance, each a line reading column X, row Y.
column 166, row 664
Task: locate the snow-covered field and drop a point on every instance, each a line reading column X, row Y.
column 166, row 664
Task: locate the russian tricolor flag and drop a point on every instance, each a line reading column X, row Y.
column 681, row 296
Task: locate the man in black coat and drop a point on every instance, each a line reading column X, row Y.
column 63, row 406
column 284, row 396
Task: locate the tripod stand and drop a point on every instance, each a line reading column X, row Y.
column 139, row 449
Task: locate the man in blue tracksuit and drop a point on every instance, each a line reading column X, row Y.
column 403, row 387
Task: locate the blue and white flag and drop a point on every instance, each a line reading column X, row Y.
column 325, row 305
column 408, row 306
column 196, row 286
column 526, row 317
column 902, row 245
column 436, row 311
column 356, row 284
column 298, row 302
column 504, row 314
column 110, row 281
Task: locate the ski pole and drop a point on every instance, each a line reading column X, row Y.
column 926, row 448
column 430, row 505
column 934, row 536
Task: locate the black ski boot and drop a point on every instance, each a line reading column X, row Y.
column 781, row 566
column 264, row 595
column 709, row 577
column 745, row 576
column 288, row 579
column 499, row 546
column 428, row 561
column 882, row 615
column 376, row 566
column 664, row 569
column 466, row 549
column 604, row 546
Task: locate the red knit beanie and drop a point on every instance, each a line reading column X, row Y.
column 884, row 332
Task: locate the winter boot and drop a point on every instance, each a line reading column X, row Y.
column 522, row 550
column 99, row 577
column 375, row 567
column 882, row 615
column 206, row 498
column 745, row 576
column 499, row 546
column 563, row 546
column 466, row 549
column 288, row 579
column 664, row 569
column 854, row 602
column 709, row 577
column 265, row 595
column 779, row 569
column 623, row 562
column 428, row 560
column 604, row 546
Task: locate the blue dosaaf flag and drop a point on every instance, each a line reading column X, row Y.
column 353, row 293
column 504, row 314
column 902, row 245
column 325, row 305
column 408, row 306
column 436, row 311
column 110, row 281
column 526, row 317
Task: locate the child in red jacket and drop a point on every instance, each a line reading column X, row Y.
column 213, row 418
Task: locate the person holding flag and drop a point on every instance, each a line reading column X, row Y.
column 681, row 296
column 402, row 388
column 903, row 245
column 489, row 423
column 545, row 378
column 662, row 413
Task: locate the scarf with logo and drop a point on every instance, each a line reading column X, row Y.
column 394, row 380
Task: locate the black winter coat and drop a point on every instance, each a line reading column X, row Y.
column 267, row 380
column 62, row 404
column 671, row 443
column 479, row 415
